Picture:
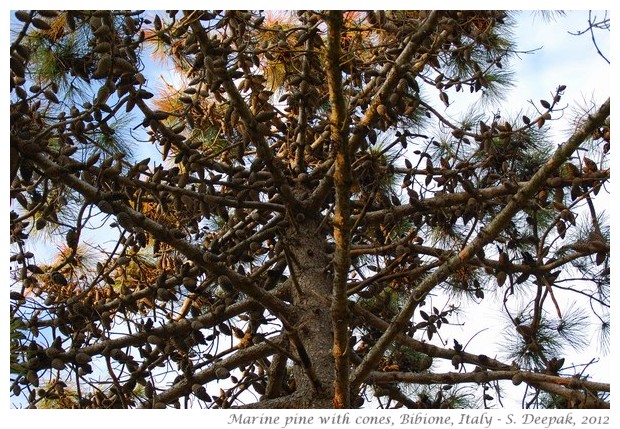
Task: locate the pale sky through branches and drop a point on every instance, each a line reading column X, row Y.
column 563, row 59
column 557, row 58
column 551, row 57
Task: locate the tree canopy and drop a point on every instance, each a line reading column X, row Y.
column 294, row 221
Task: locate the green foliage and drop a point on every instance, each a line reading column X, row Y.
column 296, row 216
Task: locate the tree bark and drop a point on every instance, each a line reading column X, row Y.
column 312, row 281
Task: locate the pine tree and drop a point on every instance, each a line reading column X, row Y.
column 302, row 208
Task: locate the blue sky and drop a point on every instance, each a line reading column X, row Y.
column 563, row 59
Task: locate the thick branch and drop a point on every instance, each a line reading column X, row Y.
column 241, row 357
column 459, row 199
column 252, row 126
column 567, row 387
column 342, row 211
column 206, row 260
column 426, row 348
column 397, row 70
column 485, row 236
column 401, row 65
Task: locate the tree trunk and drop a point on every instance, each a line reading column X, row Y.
column 312, row 283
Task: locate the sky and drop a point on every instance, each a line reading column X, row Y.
column 563, row 59
column 558, row 58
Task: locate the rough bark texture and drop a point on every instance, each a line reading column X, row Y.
column 309, row 202
column 312, row 278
